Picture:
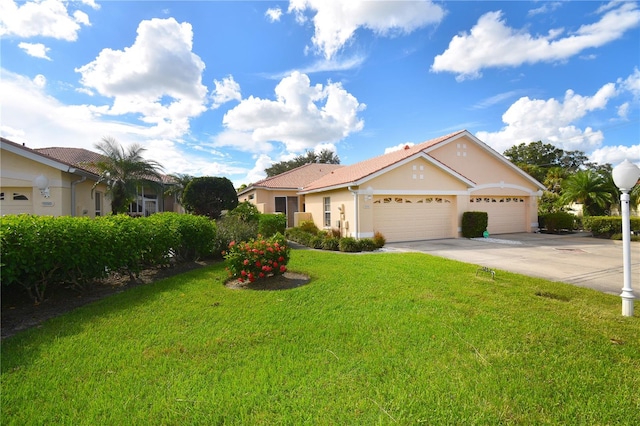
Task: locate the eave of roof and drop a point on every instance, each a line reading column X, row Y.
column 294, row 179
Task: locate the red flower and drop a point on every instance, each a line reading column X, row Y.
column 281, row 259
column 275, row 264
column 246, row 262
column 232, row 243
column 283, row 268
column 243, row 273
column 261, row 274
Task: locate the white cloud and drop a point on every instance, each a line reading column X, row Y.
column 91, row 3
column 623, row 110
column 336, row 22
column 46, row 18
column 37, row 50
column 226, row 90
column 34, row 118
column 40, row 81
column 545, row 8
column 274, row 14
column 257, row 172
column 158, row 77
column 631, row 83
column 301, row 117
column 491, row 43
column 616, row 154
column 552, row 121
column 398, row 147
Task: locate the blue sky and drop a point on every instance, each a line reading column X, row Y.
column 227, row 88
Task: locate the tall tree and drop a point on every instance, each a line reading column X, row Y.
column 123, row 171
column 209, row 196
column 589, row 188
column 537, row 159
column 325, row 156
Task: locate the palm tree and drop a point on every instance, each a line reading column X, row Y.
column 178, row 184
column 589, row 188
column 123, row 171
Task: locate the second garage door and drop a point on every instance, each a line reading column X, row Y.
column 414, row 218
column 506, row 214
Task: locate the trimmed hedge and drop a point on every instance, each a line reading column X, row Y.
column 608, row 225
column 474, row 224
column 44, row 252
column 555, row 222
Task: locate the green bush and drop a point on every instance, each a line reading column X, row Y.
column 232, row 228
column 555, row 222
column 256, row 259
column 608, row 225
column 246, row 211
column 331, row 243
column 271, row 224
column 367, row 244
column 474, row 224
column 309, row 227
column 40, row 253
column 316, row 242
column 349, row 245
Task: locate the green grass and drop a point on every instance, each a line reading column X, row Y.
column 373, row 339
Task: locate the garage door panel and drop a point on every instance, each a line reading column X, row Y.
column 410, row 219
column 506, row 214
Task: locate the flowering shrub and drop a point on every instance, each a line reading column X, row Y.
column 258, row 258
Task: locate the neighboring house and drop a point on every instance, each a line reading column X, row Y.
column 60, row 182
column 420, row 192
column 279, row 194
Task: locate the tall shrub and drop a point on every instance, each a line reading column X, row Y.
column 271, row 224
column 474, row 224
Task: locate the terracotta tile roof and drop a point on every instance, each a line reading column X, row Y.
column 356, row 172
column 77, row 157
column 295, row 178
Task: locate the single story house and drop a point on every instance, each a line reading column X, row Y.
column 421, row 192
column 279, row 194
column 60, row 182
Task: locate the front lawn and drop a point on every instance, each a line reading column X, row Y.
column 376, row 338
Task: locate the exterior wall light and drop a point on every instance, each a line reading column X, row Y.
column 42, row 183
column 625, row 176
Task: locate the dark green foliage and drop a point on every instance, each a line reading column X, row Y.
column 331, row 243
column 209, row 196
column 349, row 245
column 42, row 252
column 474, row 224
column 559, row 221
column 246, row 211
column 325, row 156
column 232, row 228
column 367, row 244
column 592, row 189
column 607, row 226
column 271, row 223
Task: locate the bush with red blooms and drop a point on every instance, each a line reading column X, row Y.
column 257, row 259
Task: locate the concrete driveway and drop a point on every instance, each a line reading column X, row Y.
column 575, row 258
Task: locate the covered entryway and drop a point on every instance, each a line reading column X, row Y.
column 507, row 215
column 413, row 218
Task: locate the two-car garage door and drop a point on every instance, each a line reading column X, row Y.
column 403, row 218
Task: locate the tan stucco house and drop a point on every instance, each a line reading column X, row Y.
column 421, row 191
column 60, row 182
column 279, row 194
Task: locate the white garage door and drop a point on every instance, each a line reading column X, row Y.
column 506, row 214
column 413, row 218
column 15, row 201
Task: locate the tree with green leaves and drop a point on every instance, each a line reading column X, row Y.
column 536, row 159
column 325, row 156
column 123, row 171
column 589, row 188
column 209, row 196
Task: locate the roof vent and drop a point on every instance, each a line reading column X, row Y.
column 406, row 147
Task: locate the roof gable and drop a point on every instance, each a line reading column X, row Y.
column 295, row 179
column 368, row 168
